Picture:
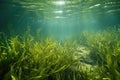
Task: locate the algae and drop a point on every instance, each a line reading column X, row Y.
column 28, row 58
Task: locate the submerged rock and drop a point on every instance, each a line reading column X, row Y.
column 82, row 53
column 85, row 62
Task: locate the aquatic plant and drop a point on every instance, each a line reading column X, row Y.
column 24, row 58
column 28, row 58
column 105, row 53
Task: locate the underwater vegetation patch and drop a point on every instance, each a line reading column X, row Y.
column 105, row 52
column 25, row 58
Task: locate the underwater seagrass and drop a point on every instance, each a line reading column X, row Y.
column 28, row 58
column 105, row 52
column 24, row 58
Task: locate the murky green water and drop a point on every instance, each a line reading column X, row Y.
column 58, row 18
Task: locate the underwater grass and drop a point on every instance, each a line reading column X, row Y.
column 24, row 58
column 105, row 52
column 27, row 58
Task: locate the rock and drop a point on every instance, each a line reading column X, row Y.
column 83, row 54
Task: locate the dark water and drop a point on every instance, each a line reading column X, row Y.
column 58, row 18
